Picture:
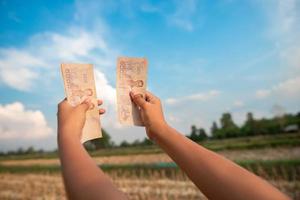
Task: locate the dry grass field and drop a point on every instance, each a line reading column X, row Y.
column 157, row 186
column 40, row 178
column 247, row 154
column 50, row 186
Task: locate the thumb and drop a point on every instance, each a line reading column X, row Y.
column 85, row 105
column 138, row 100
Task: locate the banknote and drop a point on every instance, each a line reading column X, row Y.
column 79, row 85
column 131, row 76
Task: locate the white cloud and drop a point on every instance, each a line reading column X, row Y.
column 284, row 30
column 291, row 57
column 184, row 14
column 18, row 123
column 18, row 68
column 108, row 94
column 181, row 14
column 287, row 15
column 289, row 88
column 21, row 68
column 24, row 69
column 76, row 43
column 263, row 93
column 172, row 118
column 104, row 89
column 194, row 97
column 238, row 103
column 287, row 33
column 282, row 15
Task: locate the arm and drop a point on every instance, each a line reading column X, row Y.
column 216, row 176
column 82, row 177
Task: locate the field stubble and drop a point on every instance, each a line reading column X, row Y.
column 247, row 154
column 280, row 166
column 141, row 184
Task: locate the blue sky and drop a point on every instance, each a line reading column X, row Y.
column 205, row 58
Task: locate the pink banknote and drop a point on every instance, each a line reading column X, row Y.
column 79, row 85
column 131, row 76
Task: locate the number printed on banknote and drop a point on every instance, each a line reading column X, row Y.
column 79, row 85
column 131, row 76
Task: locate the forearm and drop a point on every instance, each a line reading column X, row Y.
column 83, row 178
column 215, row 176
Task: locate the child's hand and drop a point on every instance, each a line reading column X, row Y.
column 151, row 112
column 71, row 119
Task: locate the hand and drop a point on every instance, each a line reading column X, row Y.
column 71, row 119
column 151, row 112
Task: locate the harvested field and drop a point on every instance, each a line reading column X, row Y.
column 250, row 154
column 50, row 186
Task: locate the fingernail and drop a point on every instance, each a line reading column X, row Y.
column 131, row 93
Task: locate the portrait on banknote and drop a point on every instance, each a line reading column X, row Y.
column 79, row 85
column 131, row 77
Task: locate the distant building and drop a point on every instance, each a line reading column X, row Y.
column 291, row 128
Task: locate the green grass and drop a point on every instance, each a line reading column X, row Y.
column 257, row 142
column 278, row 169
column 284, row 169
column 30, row 169
column 268, row 141
column 284, row 140
column 45, row 155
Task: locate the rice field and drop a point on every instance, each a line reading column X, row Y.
column 46, row 186
column 147, row 176
column 136, row 183
column 247, row 154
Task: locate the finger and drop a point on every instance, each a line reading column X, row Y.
column 101, row 111
column 85, row 105
column 151, row 97
column 100, row 102
column 139, row 100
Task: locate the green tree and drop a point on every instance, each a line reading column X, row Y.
column 20, row 151
column 268, row 126
column 197, row 135
column 146, row 142
column 136, row 143
column 194, row 135
column 298, row 118
column 228, row 127
column 214, row 130
column 124, row 144
column 291, row 119
column 30, row 150
column 202, row 134
column 249, row 128
column 101, row 143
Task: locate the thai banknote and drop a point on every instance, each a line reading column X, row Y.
column 79, row 85
column 131, row 76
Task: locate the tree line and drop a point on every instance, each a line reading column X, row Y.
column 106, row 142
column 227, row 128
